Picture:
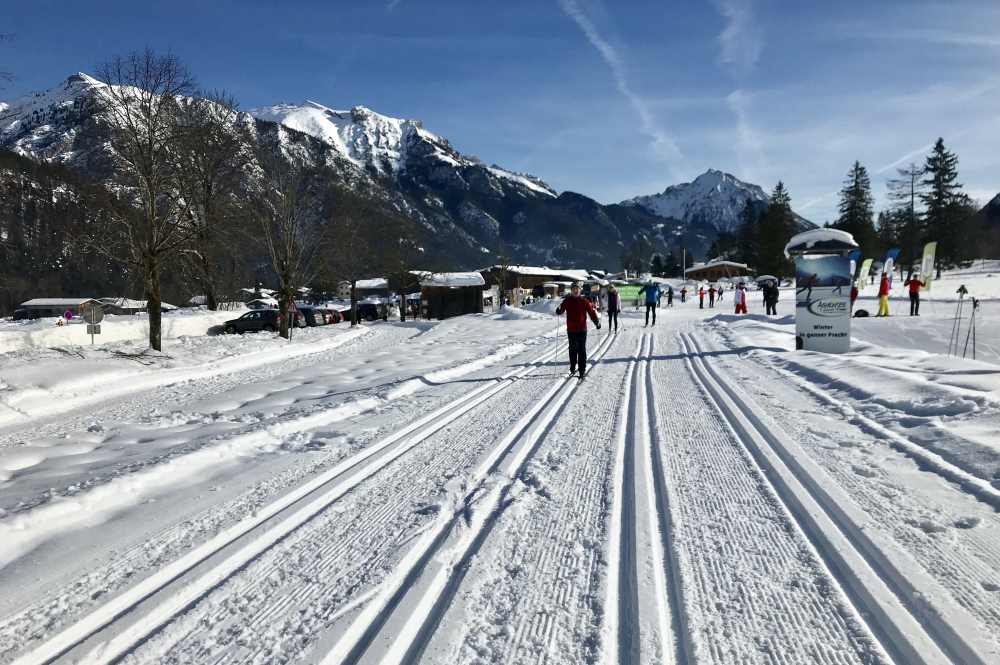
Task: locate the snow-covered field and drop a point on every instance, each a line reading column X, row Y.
column 443, row 493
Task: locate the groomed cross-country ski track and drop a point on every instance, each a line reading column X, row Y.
column 662, row 510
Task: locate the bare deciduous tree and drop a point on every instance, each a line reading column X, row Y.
column 213, row 153
column 140, row 102
column 289, row 223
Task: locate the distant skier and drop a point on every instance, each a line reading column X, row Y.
column 883, row 296
column 670, row 295
column 810, row 282
column 684, row 294
column 771, row 298
column 740, row 297
column 719, row 294
column 614, row 307
column 711, row 296
column 915, row 285
column 577, row 309
column 701, row 297
column 652, row 292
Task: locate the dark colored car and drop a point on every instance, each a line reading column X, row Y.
column 26, row 314
column 254, row 321
column 313, row 316
column 368, row 311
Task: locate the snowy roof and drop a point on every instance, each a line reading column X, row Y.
column 822, row 241
column 451, row 279
column 713, row 264
column 128, row 303
column 55, row 302
column 374, row 283
column 532, row 270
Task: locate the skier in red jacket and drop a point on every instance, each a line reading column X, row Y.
column 577, row 309
column 914, row 283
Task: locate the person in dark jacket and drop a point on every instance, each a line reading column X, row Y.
column 915, row 285
column 614, row 307
column 711, row 296
column 771, row 298
column 670, row 296
column 577, row 309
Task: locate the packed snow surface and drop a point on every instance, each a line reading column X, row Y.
column 443, row 492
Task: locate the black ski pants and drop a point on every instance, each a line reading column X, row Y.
column 577, row 351
column 612, row 320
column 915, row 305
column 651, row 307
column 772, row 308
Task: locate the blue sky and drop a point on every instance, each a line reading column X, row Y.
column 611, row 99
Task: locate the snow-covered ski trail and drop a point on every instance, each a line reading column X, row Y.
column 397, row 625
column 879, row 582
column 644, row 604
column 182, row 583
column 933, row 521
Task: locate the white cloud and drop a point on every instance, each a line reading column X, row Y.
column 741, row 41
column 392, row 4
column 749, row 143
column 662, row 143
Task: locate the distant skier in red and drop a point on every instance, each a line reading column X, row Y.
column 740, row 296
column 577, row 309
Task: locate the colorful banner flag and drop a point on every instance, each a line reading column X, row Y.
column 866, row 267
column 927, row 265
column 890, row 258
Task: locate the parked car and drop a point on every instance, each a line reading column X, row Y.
column 254, row 321
column 312, row 316
column 368, row 311
column 332, row 316
column 26, row 315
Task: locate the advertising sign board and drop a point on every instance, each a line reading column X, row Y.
column 823, row 303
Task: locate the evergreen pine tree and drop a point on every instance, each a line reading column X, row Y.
column 657, row 266
column 857, row 209
column 944, row 215
column 748, row 236
column 776, row 228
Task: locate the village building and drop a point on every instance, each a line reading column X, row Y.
column 715, row 270
column 443, row 295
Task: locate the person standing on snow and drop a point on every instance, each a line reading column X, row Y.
column 740, row 297
column 614, row 307
column 711, row 296
column 684, row 294
column 719, row 294
column 771, row 298
column 670, row 295
column 883, row 296
column 577, row 309
column 652, row 292
column 701, row 297
column 914, row 285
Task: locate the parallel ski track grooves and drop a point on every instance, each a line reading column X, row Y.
column 422, row 632
column 899, row 640
column 928, row 459
column 350, row 472
column 683, row 650
column 628, row 621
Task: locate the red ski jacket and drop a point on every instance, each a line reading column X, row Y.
column 914, row 284
column 883, row 287
column 577, row 309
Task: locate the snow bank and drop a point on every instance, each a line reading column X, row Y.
column 44, row 333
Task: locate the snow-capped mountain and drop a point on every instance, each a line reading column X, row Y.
column 381, row 143
column 714, row 198
column 466, row 208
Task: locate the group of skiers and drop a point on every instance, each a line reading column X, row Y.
column 913, row 285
